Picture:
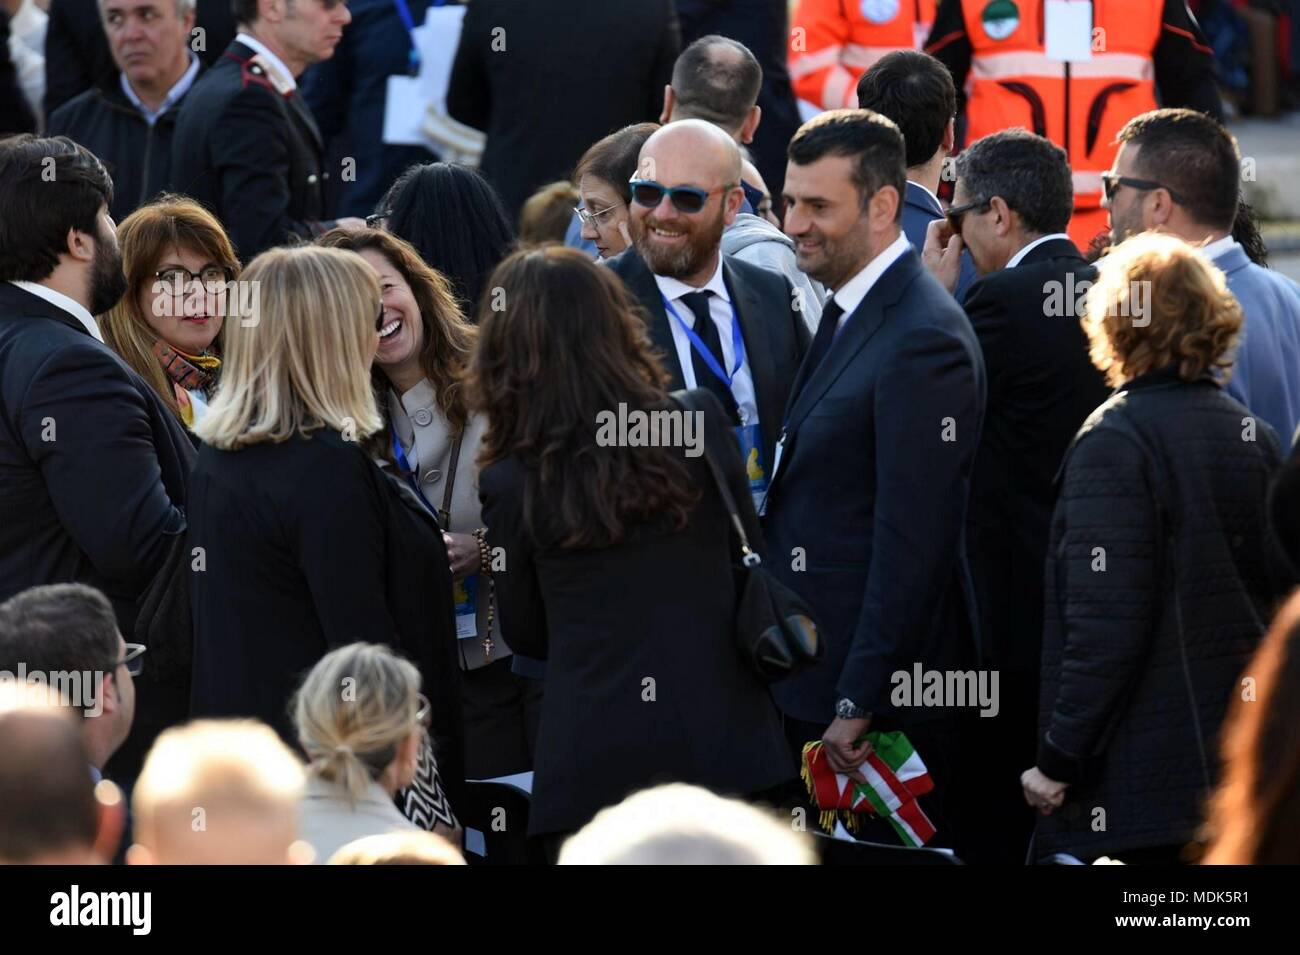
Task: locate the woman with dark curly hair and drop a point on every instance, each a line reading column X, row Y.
column 615, row 553
column 1160, row 571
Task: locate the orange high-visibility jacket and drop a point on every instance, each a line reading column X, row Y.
column 1080, row 106
column 833, row 42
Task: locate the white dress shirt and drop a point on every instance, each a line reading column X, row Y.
column 175, row 93
column 1016, row 259
column 852, row 292
column 271, row 60
column 742, row 385
column 61, row 301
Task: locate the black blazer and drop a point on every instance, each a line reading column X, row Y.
column 546, row 80
column 1041, row 387
column 77, row 56
column 661, row 607
column 775, row 334
column 93, row 466
column 308, row 547
column 251, row 155
column 872, row 489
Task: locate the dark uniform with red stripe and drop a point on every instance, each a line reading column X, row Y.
column 249, row 150
column 1144, row 54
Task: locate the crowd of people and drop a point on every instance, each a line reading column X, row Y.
column 305, row 479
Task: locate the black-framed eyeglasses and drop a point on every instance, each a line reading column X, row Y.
column 213, row 278
column 131, row 659
column 1110, row 183
column 377, row 220
column 423, row 711
column 955, row 213
column 591, row 218
column 687, row 199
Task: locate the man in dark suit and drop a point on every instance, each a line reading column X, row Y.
column 866, row 513
column 546, row 80
column 915, row 90
column 722, row 324
column 93, row 466
column 246, row 145
column 76, row 49
column 128, row 121
column 1016, row 188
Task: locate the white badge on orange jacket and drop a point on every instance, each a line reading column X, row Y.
column 1000, row 19
column 879, row 11
column 1067, row 28
column 465, row 594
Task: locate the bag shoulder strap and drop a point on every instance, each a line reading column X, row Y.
column 445, row 512
column 748, row 556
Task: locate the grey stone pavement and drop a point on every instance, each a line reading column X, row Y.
column 1270, row 150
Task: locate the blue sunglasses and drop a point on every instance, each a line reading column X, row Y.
column 688, row 199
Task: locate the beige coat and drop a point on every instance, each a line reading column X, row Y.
column 425, row 434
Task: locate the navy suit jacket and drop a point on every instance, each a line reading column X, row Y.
column 872, row 488
column 1266, row 374
column 774, row 332
column 919, row 210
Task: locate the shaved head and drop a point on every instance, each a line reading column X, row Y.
column 690, row 152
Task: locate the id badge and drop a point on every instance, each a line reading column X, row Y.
column 751, row 449
column 465, row 593
column 1067, row 29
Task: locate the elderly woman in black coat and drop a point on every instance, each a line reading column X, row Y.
column 1160, row 571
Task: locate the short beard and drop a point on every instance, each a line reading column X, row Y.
column 702, row 242
column 107, row 280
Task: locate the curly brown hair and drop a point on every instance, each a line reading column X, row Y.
column 1159, row 302
column 569, row 344
column 448, row 335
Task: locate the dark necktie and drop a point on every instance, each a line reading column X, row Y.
column 707, row 330
column 821, row 344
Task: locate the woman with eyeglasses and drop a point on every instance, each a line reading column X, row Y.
column 431, row 440
column 602, row 176
column 178, row 263
column 298, row 542
column 361, row 720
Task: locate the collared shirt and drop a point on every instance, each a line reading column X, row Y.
column 852, row 292
column 1212, row 250
column 1019, row 256
column 175, row 93
column 742, row 385
column 61, row 301
column 271, row 60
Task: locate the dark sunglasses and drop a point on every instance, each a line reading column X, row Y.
column 377, row 220
column 687, row 199
column 1110, row 183
column 955, row 213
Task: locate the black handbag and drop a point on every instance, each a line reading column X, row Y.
column 775, row 630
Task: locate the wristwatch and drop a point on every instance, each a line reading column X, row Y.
column 846, row 709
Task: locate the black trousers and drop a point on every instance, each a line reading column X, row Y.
column 502, row 711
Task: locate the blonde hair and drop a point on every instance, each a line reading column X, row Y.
column 353, row 711
column 1157, row 302
column 145, row 236
column 232, row 769
column 301, row 359
column 677, row 824
column 398, row 848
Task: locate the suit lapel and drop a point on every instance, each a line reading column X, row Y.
column 642, row 284
column 857, row 330
column 758, row 352
column 299, row 107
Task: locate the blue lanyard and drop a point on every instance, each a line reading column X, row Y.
column 408, row 472
column 408, row 21
column 715, row 366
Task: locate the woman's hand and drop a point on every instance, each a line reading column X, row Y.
column 462, row 553
column 1045, row 795
column 454, row 835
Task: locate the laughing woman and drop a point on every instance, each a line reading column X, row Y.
column 432, row 441
column 167, row 326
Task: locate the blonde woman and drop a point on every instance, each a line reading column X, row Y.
column 361, row 720
column 178, row 263
column 1159, row 577
column 431, row 440
column 300, row 542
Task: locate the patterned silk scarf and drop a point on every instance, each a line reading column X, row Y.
column 187, row 373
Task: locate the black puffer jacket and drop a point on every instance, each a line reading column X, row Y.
column 1161, row 578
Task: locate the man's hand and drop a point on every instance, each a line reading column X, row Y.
column 1045, row 795
column 840, row 745
column 942, row 253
